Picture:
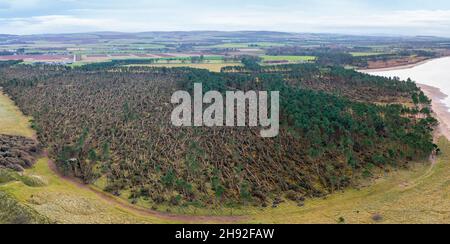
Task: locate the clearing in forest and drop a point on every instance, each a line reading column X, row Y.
column 12, row 121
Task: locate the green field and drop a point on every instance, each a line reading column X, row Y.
column 12, row 122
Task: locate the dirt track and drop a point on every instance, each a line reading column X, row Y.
column 142, row 211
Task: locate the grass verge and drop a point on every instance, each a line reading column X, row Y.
column 12, row 121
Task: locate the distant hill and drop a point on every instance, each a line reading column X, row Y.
column 243, row 36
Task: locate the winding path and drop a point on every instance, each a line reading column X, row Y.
column 142, row 211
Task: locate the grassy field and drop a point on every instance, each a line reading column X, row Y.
column 420, row 194
column 291, row 59
column 63, row 202
column 12, row 122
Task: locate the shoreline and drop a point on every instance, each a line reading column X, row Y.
column 440, row 109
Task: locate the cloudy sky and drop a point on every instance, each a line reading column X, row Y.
column 393, row 17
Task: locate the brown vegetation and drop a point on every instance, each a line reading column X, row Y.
column 17, row 153
column 115, row 122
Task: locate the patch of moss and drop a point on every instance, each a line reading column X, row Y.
column 32, row 181
column 12, row 212
column 7, row 176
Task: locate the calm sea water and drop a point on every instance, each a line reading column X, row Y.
column 434, row 73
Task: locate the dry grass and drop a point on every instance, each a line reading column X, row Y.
column 63, row 202
column 12, row 121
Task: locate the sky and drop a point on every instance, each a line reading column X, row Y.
column 368, row 17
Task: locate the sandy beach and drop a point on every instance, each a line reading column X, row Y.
column 431, row 76
column 439, row 108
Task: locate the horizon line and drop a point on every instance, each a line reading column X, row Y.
column 230, row 31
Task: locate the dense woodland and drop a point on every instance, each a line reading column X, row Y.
column 113, row 123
